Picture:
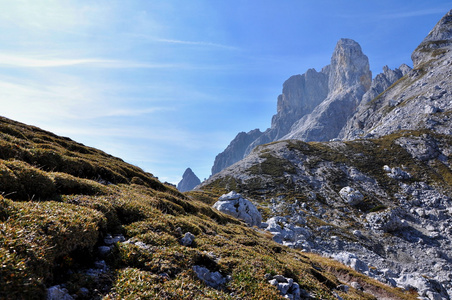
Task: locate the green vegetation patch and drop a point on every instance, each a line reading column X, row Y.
column 34, row 236
column 272, row 166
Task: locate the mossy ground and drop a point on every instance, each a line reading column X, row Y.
column 61, row 198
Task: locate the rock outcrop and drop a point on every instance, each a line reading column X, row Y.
column 420, row 100
column 301, row 94
column 384, row 80
column 188, row 182
column 349, row 79
column 437, row 42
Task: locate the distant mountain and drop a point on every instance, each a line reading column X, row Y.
column 379, row 200
column 188, row 182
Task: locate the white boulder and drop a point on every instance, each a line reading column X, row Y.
column 235, row 205
column 351, row 196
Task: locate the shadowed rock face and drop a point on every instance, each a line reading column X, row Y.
column 300, row 95
column 235, row 150
column 188, row 182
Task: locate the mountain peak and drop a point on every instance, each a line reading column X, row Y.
column 189, row 181
column 349, row 66
column 436, row 42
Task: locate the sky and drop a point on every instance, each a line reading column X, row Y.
column 166, row 85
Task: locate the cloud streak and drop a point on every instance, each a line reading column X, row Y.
column 195, row 43
column 414, row 13
column 21, row 61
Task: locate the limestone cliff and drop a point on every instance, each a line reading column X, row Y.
column 312, row 106
column 349, row 78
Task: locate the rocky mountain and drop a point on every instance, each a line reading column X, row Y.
column 188, row 182
column 315, row 106
column 380, row 199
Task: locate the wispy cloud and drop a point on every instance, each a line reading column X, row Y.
column 195, row 43
column 10, row 60
column 184, row 42
column 414, row 13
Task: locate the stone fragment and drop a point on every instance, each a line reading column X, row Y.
column 188, row 239
column 386, row 221
column 57, row 292
column 212, row 279
column 286, row 286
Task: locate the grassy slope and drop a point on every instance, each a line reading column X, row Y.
column 60, row 198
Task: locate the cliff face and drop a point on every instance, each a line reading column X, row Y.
column 235, row 150
column 300, row 95
column 349, row 78
column 436, row 42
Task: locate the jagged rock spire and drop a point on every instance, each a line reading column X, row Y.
column 189, row 181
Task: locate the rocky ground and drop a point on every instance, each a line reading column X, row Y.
column 387, row 216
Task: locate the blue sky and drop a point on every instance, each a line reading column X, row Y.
column 166, row 85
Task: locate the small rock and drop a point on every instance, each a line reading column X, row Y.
column 386, row 221
column 84, row 292
column 103, row 250
column 100, row 264
column 343, row 287
column 356, row 285
column 188, row 239
column 212, row 279
column 110, row 240
column 56, row 292
column 351, row 196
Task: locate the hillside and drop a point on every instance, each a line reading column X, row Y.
column 78, row 223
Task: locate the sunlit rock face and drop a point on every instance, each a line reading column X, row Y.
column 437, row 42
column 420, row 99
column 312, row 106
column 349, row 78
